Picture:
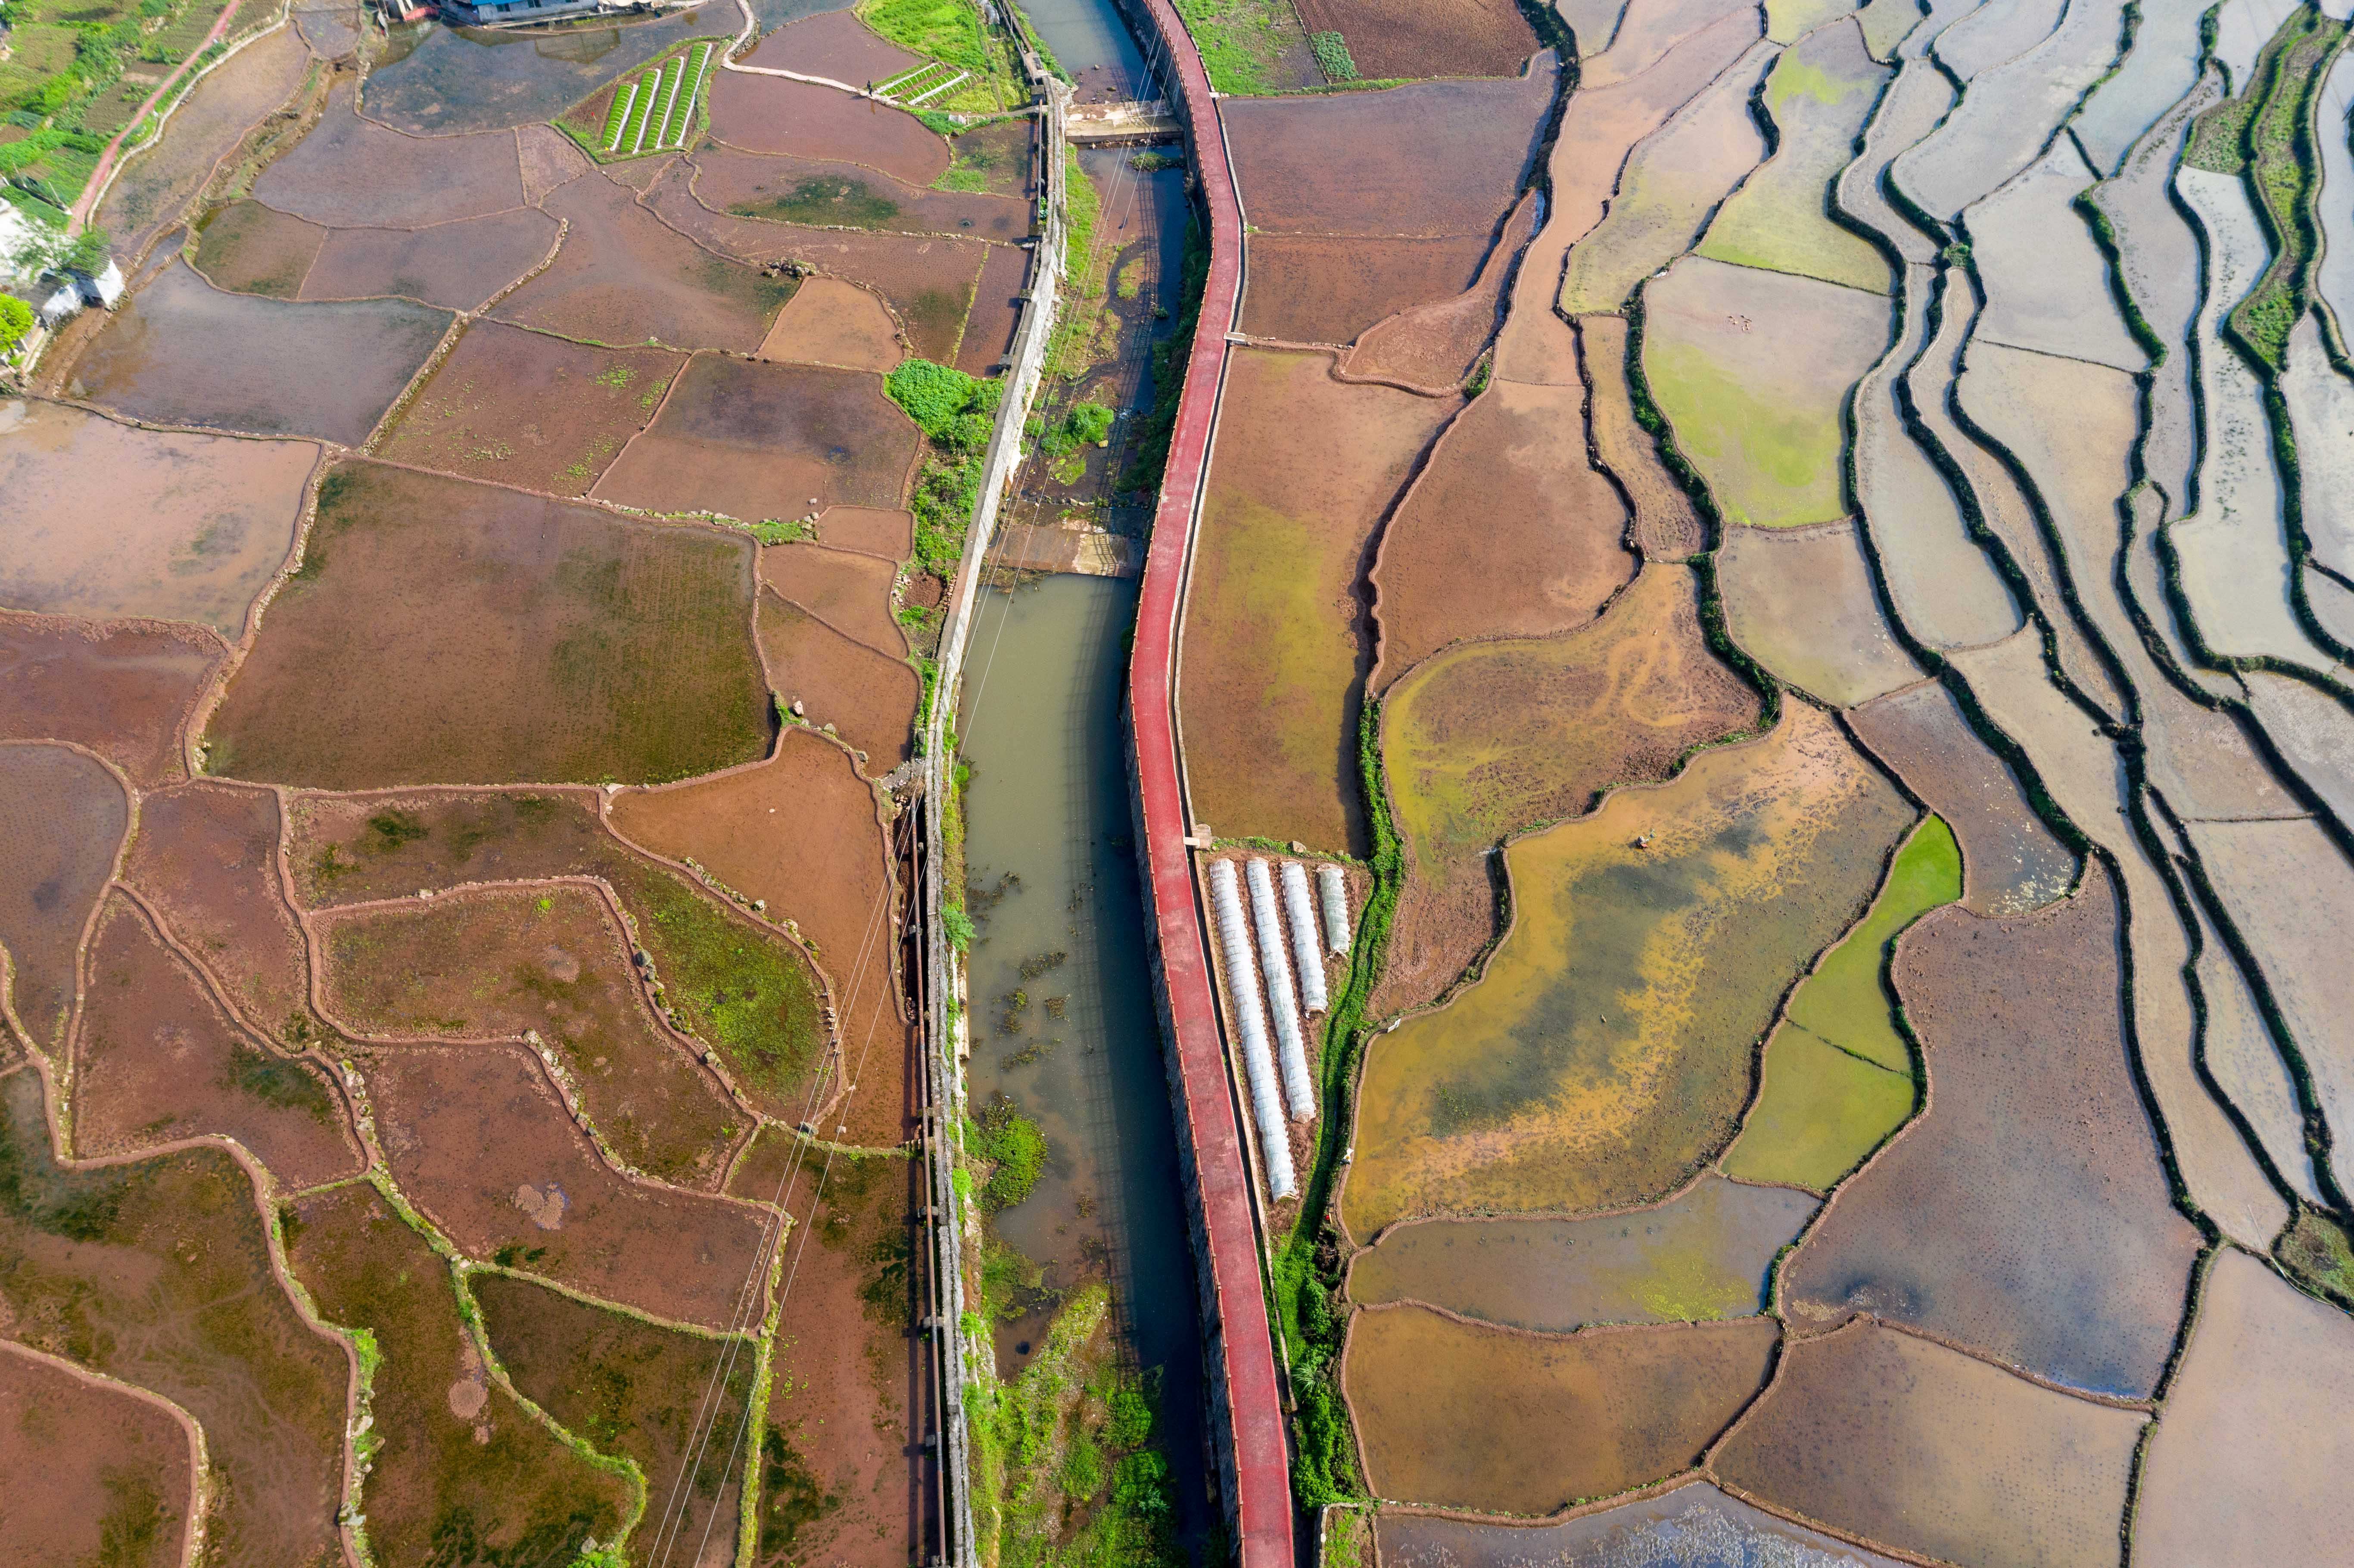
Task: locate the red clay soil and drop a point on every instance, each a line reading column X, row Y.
column 62, row 817
column 206, row 857
column 156, row 1061
column 1389, row 38
column 1311, row 287
column 250, row 249
column 771, row 114
column 151, row 189
column 928, row 278
column 457, row 266
column 1435, row 346
column 121, row 688
column 989, row 331
column 350, row 172
column 752, row 439
column 848, row 591
column 455, row 1453
column 836, row 45
column 1428, row 159
column 622, row 277
column 829, row 321
column 534, row 641
column 549, row 960
column 525, row 408
column 2057, row 1248
column 96, row 1474
column 1507, row 532
column 483, row 1146
column 867, row 528
column 868, row 698
column 1666, row 527
column 832, row 194
column 159, row 1274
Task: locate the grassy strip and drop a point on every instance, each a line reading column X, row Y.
column 954, row 411
column 952, row 32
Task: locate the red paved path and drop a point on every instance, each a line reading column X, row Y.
column 96, row 184
column 1241, row 1353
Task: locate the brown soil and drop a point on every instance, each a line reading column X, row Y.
column 1504, row 1420
column 549, row 158
column 206, row 857
column 2011, row 862
column 928, row 278
column 149, row 194
column 1429, row 159
column 1390, row 38
column 1314, row 288
column 822, row 864
column 836, row 45
column 178, row 528
column 829, row 321
column 1889, row 1437
column 350, row 172
column 552, row 961
column 459, row 1457
column 1507, row 532
column 989, row 331
column 527, row 409
column 870, row 529
column 2041, row 1159
column 102, row 1476
column 1655, row 1529
column 159, row 1274
column 752, row 439
column 158, row 1061
column 623, row 646
column 1279, row 640
column 629, row 1388
column 457, row 266
column 1666, row 528
column 1436, row 345
column 257, row 250
column 850, row 592
column 770, row 114
column 868, row 698
column 484, row 1148
column 62, row 817
column 829, row 194
column 120, row 689
column 623, row 277
column 358, row 849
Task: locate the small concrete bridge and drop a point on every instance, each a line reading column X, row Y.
column 1125, row 123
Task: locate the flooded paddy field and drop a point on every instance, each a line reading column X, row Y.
column 66, row 817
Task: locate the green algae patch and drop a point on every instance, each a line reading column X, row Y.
column 1753, row 368
column 1845, row 1001
column 1605, row 1052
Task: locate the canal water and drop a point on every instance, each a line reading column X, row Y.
column 1093, row 43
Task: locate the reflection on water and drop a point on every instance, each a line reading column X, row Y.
column 436, row 80
column 1047, row 823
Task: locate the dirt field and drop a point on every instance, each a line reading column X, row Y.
column 1645, row 1531
column 460, row 1461
column 1305, row 466
column 182, row 527
column 753, row 439
column 147, row 197
column 1703, row 1254
column 1492, row 738
column 631, row 1388
column 120, row 689
column 206, row 857
column 1411, row 38
column 340, row 855
column 335, row 174
column 1509, row 1422
column 626, row 644
column 179, row 352
column 829, row 321
column 552, row 961
column 1313, row 288
column 250, row 249
column 156, row 1060
column 457, row 266
column 868, row 698
column 1433, row 346
column 1666, row 527
column 870, row 529
column 2053, row 1149
column 1873, row 1431
column 159, row 1274
column 624, row 278
column 770, row 114
column 482, row 1145
column 850, row 592
column 831, row 194
column 1803, row 604
column 988, row 329
column 1507, row 532
column 835, row 43
column 528, row 409
column 1607, row 1051
column 62, row 818
column 98, row 1475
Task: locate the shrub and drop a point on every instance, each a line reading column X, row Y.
column 16, row 318
column 1332, row 57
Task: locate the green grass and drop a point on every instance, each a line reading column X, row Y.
column 826, row 201
column 952, row 32
column 625, row 99
column 1242, row 41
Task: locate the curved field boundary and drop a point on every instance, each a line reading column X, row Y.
column 1247, row 1425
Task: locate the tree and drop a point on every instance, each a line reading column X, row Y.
column 16, row 319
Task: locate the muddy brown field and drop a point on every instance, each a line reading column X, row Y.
column 250, row 249
column 1435, row 344
column 96, row 1474
column 1389, row 38
column 1314, row 288
column 207, row 858
column 850, row 592
column 996, row 311
column 836, row 194
column 869, row 698
column 62, row 818
column 835, row 43
column 334, row 175
column 459, row 266
column 771, row 114
column 121, row 688
column 829, row 321
column 147, row 198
